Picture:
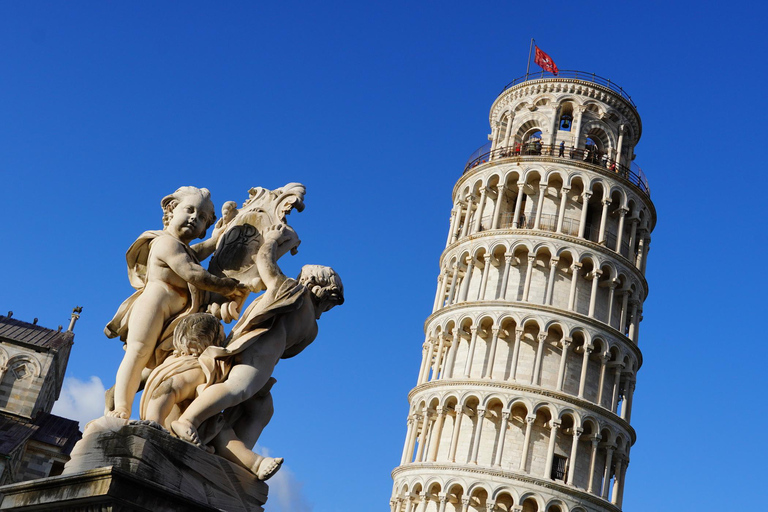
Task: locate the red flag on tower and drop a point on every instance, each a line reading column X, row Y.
column 545, row 61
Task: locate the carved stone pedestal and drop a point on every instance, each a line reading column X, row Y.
column 124, row 467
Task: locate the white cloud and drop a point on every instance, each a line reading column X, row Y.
column 80, row 401
column 285, row 490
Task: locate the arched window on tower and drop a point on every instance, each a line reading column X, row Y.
column 566, row 117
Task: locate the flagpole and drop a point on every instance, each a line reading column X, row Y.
column 528, row 67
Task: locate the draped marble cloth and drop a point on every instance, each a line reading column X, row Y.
column 136, row 258
column 255, row 322
column 215, row 362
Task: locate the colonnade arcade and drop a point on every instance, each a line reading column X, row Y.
column 554, row 200
column 536, row 271
column 540, row 440
column 567, row 360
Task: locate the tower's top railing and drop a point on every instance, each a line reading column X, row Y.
column 589, row 155
column 576, row 75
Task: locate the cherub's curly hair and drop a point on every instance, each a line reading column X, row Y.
column 323, row 282
column 171, row 201
column 195, row 333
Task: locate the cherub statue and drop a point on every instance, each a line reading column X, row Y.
column 277, row 325
column 179, row 378
column 172, row 385
column 170, row 283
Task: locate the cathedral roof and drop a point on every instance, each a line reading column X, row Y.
column 50, row 429
column 33, row 334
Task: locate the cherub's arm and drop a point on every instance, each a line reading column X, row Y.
column 173, row 254
column 277, row 237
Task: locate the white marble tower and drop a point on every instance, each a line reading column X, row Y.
column 524, row 396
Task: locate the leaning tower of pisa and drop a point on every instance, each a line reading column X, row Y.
column 524, row 395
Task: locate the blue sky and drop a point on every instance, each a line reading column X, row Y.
column 106, row 107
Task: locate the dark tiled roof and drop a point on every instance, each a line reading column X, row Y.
column 47, row 428
column 13, row 432
column 57, row 431
column 24, row 332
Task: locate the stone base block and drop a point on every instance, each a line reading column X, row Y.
column 133, row 467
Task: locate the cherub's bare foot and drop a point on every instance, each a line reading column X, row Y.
column 186, row 431
column 119, row 413
column 267, row 467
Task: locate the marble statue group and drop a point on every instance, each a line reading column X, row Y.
column 204, row 387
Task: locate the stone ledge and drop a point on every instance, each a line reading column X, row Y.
column 119, row 466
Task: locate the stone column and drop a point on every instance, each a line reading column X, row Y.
column 607, row 473
column 409, row 504
column 515, row 354
column 584, row 367
column 471, row 354
column 563, row 205
column 437, row 433
column 453, row 235
column 501, row 438
column 626, row 405
column 539, row 206
column 616, row 480
column 478, row 432
column 596, row 273
column 592, row 461
column 584, row 207
column 611, row 294
column 422, row 437
column 603, row 221
column 578, row 112
column 551, row 281
column 535, row 379
column 442, row 280
column 619, row 146
column 508, row 135
column 464, row 503
column 620, row 235
column 632, row 234
column 490, row 505
column 616, row 387
column 501, row 190
column 484, row 277
column 554, row 426
column 408, row 434
column 526, row 443
column 563, row 358
column 505, row 279
column 452, row 291
column 528, row 275
column 451, row 359
column 518, row 203
column 423, row 502
column 604, row 358
column 480, row 207
column 640, row 252
column 574, row 278
column 624, row 467
column 425, row 357
column 439, row 359
column 455, row 434
column 574, row 450
column 633, row 322
column 623, row 316
column 645, row 258
column 492, row 355
column 443, row 499
column 467, row 278
column 452, row 225
column 467, row 217
column 394, row 505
